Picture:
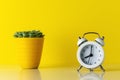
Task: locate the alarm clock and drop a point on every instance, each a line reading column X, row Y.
column 90, row 54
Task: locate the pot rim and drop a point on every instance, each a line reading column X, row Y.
column 30, row 38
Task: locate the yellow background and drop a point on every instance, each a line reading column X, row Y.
column 62, row 21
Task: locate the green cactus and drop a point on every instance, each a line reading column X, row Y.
column 29, row 34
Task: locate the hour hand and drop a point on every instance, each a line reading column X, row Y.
column 89, row 56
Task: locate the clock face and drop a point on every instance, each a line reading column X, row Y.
column 90, row 54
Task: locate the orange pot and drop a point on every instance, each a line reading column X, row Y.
column 29, row 52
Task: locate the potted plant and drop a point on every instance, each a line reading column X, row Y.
column 29, row 46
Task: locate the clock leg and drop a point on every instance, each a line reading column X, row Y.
column 79, row 68
column 102, row 68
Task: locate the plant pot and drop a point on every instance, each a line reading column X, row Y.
column 29, row 52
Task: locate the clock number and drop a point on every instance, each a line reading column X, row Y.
column 99, row 50
column 98, row 59
column 96, row 47
column 94, row 62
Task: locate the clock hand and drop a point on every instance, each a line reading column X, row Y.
column 90, row 54
column 91, row 49
column 87, row 56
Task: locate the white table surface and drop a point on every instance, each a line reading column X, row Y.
column 56, row 74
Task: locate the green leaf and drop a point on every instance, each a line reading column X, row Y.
column 27, row 34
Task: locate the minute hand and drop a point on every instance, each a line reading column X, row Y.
column 90, row 55
column 91, row 50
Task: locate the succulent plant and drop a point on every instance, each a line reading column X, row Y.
column 29, row 34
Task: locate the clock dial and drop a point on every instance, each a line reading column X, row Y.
column 91, row 54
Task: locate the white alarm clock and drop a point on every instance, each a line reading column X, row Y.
column 90, row 54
